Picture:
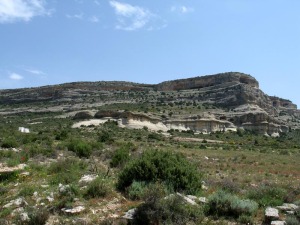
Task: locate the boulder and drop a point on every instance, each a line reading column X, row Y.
column 129, row 214
column 271, row 214
column 75, row 210
column 288, row 207
column 17, row 202
column 202, row 200
column 86, row 179
column 187, row 199
column 278, row 222
column 24, row 217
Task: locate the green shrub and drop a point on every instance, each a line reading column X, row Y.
column 136, row 190
column 297, row 212
column 226, row 204
column 8, row 176
column 4, row 213
column 66, row 171
column 292, row 220
column 80, row 147
column 120, row 157
column 66, row 198
column 9, row 143
column 27, row 190
column 36, row 149
column 267, row 195
column 3, row 190
column 62, row 135
column 170, row 168
column 99, row 187
column 105, row 137
column 245, row 219
column 37, row 216
column 155, row 136
column 157, row 209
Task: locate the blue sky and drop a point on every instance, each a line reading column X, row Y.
column 55, row 41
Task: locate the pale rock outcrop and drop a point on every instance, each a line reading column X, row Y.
column 75, row 210
column 129, row 214
column 271, row 214
column 278, row 222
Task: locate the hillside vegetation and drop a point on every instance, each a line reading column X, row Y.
column 59, row 173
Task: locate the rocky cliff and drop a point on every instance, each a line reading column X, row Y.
column 237, row 97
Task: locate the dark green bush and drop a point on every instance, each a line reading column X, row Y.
column 9, row 143
column 8, row 176
column 171, row 168
column 120, row 156
column 267, row 195
column 155, row 136
column 157, row 209
column 99, row 187
column 225, row 204
column 80, row 147
column 62, row 135
column 105, row 137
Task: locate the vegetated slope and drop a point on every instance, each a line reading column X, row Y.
column 93, row 174
column 237, row 96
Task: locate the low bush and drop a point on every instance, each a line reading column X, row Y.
column 267, row 195
column 65, row 198
column 120, row 157
column 297, row 212
column 99, row 187
column 170, row 168
column 158, row 209
column 155, row 136
column 35, row 149
column 3, row 190
column 8, row 176
column 37, row 216
column 245, row 219
column 9, row 143
column 225, row 204
column 105, row 137
column 27, row 190
column 80, row 147
column 66, row 171
column 136, row 190
column 292, row 220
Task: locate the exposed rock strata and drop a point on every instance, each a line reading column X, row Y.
column 243, row 103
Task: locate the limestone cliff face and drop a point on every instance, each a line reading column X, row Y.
column 282, row 103
column 208, row 81
column 226, row 91
column 135, row 120
column 206, row 125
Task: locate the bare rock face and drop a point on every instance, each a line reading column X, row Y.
column 82, row 115
column 208, row 81
column 103, row 114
